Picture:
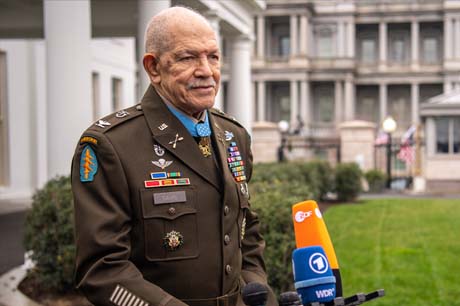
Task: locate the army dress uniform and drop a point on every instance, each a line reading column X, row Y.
column 158, row 221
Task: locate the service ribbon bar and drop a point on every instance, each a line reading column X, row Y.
column 168, row 182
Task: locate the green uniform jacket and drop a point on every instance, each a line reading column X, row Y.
column 193, row 239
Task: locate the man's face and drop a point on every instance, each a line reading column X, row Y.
column 189, row 73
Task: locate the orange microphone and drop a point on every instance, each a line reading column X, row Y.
column 310, row 230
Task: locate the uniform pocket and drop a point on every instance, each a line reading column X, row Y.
column 170, row 223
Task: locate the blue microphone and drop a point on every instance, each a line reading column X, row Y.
column 313, row 277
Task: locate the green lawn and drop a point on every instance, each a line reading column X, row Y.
column 409, row 247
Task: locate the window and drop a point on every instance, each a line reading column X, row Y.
column 367, row 103
column 431, row 34
column 279, row 101
column 284, row 46
column 278, row 38
column 116, row 93
column 399, row 43
column 430, row 50
column 447, row 135
column 325, row 40
column 4, row 161
column 368, row 51
column 323, row 104
column 399, row 105
column 367, row 43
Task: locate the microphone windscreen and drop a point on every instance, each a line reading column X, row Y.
column 313, row 277
column 254, row 294
column 290, row 298
column 310, row 229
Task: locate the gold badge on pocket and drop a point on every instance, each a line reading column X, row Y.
column 173, row 240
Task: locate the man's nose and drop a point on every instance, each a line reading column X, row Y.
column 204, row 68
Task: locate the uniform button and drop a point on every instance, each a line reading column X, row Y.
column 172, row 211
column 226, row 239
column 228, row 269
column 226, row 210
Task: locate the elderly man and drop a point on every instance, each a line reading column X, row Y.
column 161, row 197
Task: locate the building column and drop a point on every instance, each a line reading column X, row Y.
column 383, row 44
column 341, row 38
column 261, row 101
column 260, row 36
column 448, row 38
column 303, row 36
column 415, row 96
column 338, row 102
column 240, row 81
column 349, row 110
column 305, row 102
column 457, row 38
column 383, row 101
column 415, row 41
column 68, row 78
column 351, row 39
column 294, row 102
column 146, row 10
column 294, row 35
column 214, row 21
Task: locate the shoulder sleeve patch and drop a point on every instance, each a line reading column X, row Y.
column 88, row 164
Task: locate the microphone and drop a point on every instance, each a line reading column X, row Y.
column 255, row 294
column 313, row 278
column 290, row 298
column 310, row 230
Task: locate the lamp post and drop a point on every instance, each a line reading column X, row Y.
column 389, row 126
column 283, row 127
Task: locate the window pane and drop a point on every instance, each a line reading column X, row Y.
column 456, row 134
column 398, row 51
column 442, row 135
column 430, row 50
column 325, row 41
column 285, row 47
column 368, row 51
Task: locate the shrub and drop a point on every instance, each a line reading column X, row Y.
column 49, row 234
column 273, row 202
column 376, row 180
column 321, row 176
column 348, row 181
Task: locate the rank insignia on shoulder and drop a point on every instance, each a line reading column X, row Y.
column 173, row 240
column 102, row 123
column 88, row 164
column 121, row 114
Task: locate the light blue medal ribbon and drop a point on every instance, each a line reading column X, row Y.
column 201, row 129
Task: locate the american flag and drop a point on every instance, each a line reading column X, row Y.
column 406, row 154
column 407, row 151
column 382, row 138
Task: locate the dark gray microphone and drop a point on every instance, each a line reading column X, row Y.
column 290, row 298
column 255, row 294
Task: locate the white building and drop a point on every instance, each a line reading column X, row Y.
column 329, row 62
column 59, row 70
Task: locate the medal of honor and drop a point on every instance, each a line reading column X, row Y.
column 205, row 146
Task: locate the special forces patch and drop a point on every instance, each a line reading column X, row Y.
column 88, row 164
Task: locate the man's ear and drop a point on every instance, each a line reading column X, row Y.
column 151, row 64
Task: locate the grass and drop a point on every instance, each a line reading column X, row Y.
column 409, row 247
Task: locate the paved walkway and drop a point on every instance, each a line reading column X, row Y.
column 9, row 294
